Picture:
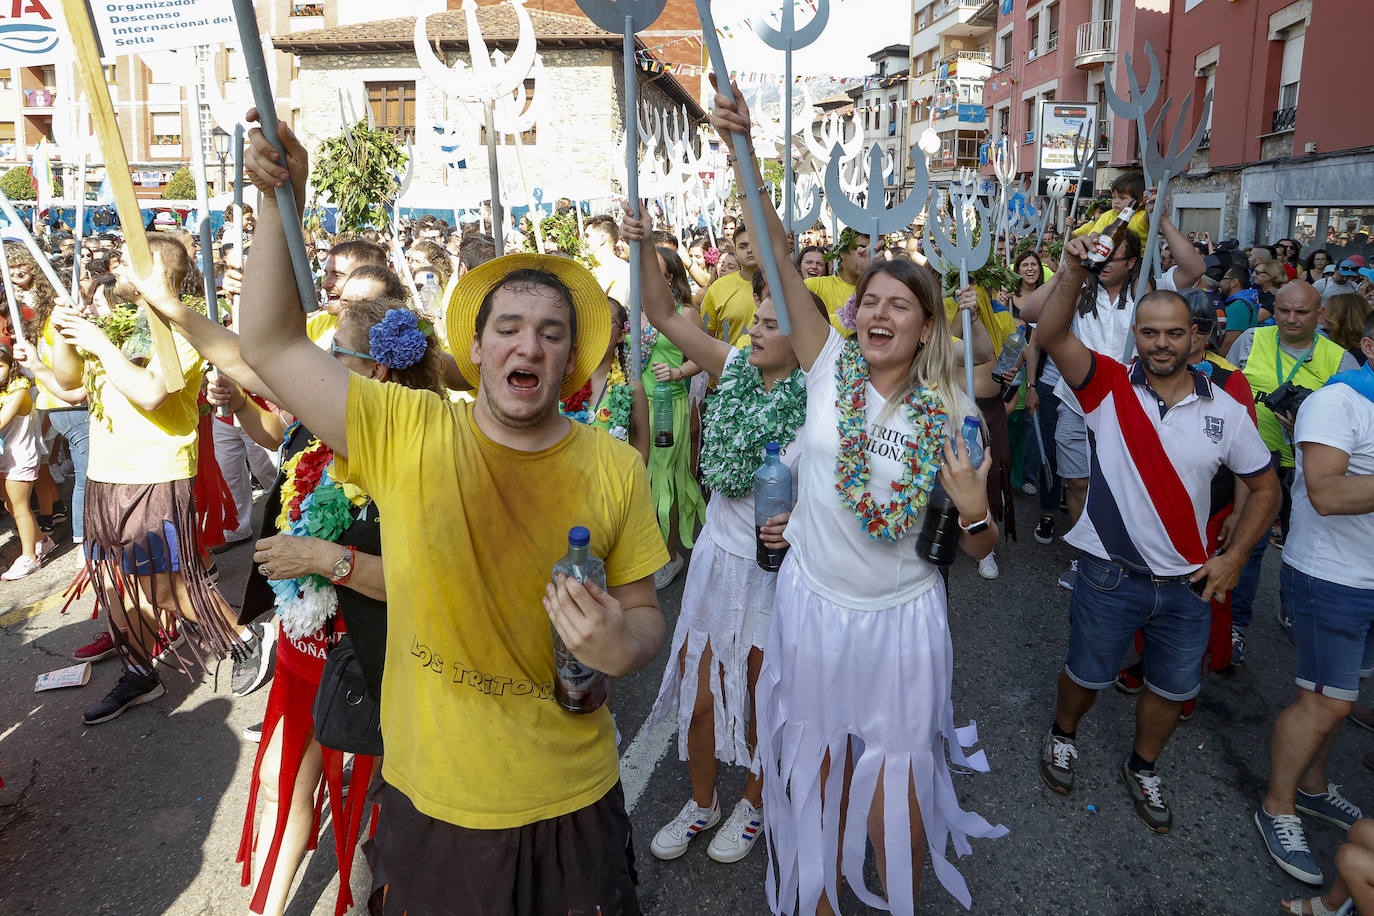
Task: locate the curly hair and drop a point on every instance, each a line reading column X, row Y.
column 44, row 296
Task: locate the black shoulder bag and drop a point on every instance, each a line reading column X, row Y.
column 347, row 718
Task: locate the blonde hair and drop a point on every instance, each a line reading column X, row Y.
column 933, row 366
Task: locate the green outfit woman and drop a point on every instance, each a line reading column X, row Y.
column 670, row 469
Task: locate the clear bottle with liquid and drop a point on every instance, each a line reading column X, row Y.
column 577, row 688
column 972, row 433
column 772, row 497
column 661, row 409
column 1011, row 353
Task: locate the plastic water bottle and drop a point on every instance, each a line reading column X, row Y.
column 973, row 439
column 1011, row 353
column 939, row 539
column 429, row 291
column 772, row 496
column 662, row 414
column 578, row 689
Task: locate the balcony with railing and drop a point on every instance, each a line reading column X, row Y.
column 1284, row 119
column 945, row 7
column 1096, row 43
column 39, row 98
column 1104, row 135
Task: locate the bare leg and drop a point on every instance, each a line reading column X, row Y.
column 1297, row 738
column 1076, row 495
column 1355, row 865
column 753, row 785
column 298, row 822
column 1313, row 781
column 17, row 501
column 701, row 735
column 46, row 488
column 1073, row 703
column 918, row 834
column 1155, row 720
column 824, row 906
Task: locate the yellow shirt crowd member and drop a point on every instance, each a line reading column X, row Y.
column 473, row 529
column 730, row 298
column 834, row 292
column 131, row 445
column 320, row 327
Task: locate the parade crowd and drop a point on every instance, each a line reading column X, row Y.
column 445, row 423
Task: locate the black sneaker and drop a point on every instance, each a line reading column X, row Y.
column 46, row 524
column 131, row 690
column 254, row 660
column 1056, row 762
column 1148, row 797
column 1044, row 531
column 59, row 511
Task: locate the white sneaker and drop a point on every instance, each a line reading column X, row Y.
column 45, row 547
column 742, row 829
column 987, row 567
column 1030, row 489
column 668, row 572
column 21, row 567
column 672, row 839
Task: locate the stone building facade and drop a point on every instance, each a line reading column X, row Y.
column 571, row 150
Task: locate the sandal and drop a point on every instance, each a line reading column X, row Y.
column 1314, row 906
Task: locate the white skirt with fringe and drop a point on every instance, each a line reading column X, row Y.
column 878, row 682
column 726, row 602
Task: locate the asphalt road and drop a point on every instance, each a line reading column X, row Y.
column 143, row 815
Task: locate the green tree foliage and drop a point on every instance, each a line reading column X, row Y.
column 17, row 184
column 360, row 176
column 181, row 187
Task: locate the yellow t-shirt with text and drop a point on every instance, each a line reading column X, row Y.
column 136, row 446
column 730, row 298
column 473, row 530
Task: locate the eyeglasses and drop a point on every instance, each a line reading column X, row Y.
column 335, row 350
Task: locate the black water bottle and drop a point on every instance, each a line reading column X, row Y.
column 939, row 539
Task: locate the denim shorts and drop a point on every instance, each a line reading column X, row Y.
column 1111, row 602
column 1071, row 441
column 1333, row 629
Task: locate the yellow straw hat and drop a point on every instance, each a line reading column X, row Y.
column 590, row 305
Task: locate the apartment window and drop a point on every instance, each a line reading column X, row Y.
column 1052, row 27
column 304, row 8
column 1291, row 68
column 1030, row 120
column 1004, row 49
column 1209, row 88
column 1033, row 43
column 1003, row 121
column 166, row 128
column 393, row 106
column 892, row 116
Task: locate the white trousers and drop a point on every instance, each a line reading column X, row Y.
column 236, row 454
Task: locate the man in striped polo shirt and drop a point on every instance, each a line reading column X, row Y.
column 1158, row 432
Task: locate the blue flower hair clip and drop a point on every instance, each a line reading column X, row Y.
column 398, row 341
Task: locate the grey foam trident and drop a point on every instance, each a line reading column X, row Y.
column 788, row 38
column 740, row 144
column 1161, row 163
column 875, row 218
column 487, row 80
column 953, row 239
column 625, row 17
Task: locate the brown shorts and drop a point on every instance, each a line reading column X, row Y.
column 580, row 864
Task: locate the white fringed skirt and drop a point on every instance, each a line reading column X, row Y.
column 726, row 603
column 878, row 683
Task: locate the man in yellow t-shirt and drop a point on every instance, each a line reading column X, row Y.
column 730, row 300
column 478, row 500
column 852, row 254
column 343, row 259
column 141, row 529
column 612, row 274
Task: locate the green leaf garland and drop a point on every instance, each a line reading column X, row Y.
column 742, row 419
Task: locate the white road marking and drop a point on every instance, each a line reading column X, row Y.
column 642, row 757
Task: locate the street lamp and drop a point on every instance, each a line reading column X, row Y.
column 220, row 137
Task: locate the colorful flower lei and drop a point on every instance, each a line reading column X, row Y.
column 925, row 413
column 575, row 406
column 313, row 504
column 648, row 336
column 742, row 418
column 614, row 410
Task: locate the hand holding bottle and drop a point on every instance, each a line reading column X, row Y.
column 592, row 624
column 966, row 485
column 773, row 531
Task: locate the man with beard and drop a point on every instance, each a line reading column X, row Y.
column 1161, row 431
column 477, row 501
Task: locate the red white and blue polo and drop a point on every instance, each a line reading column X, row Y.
column 1149, row 485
